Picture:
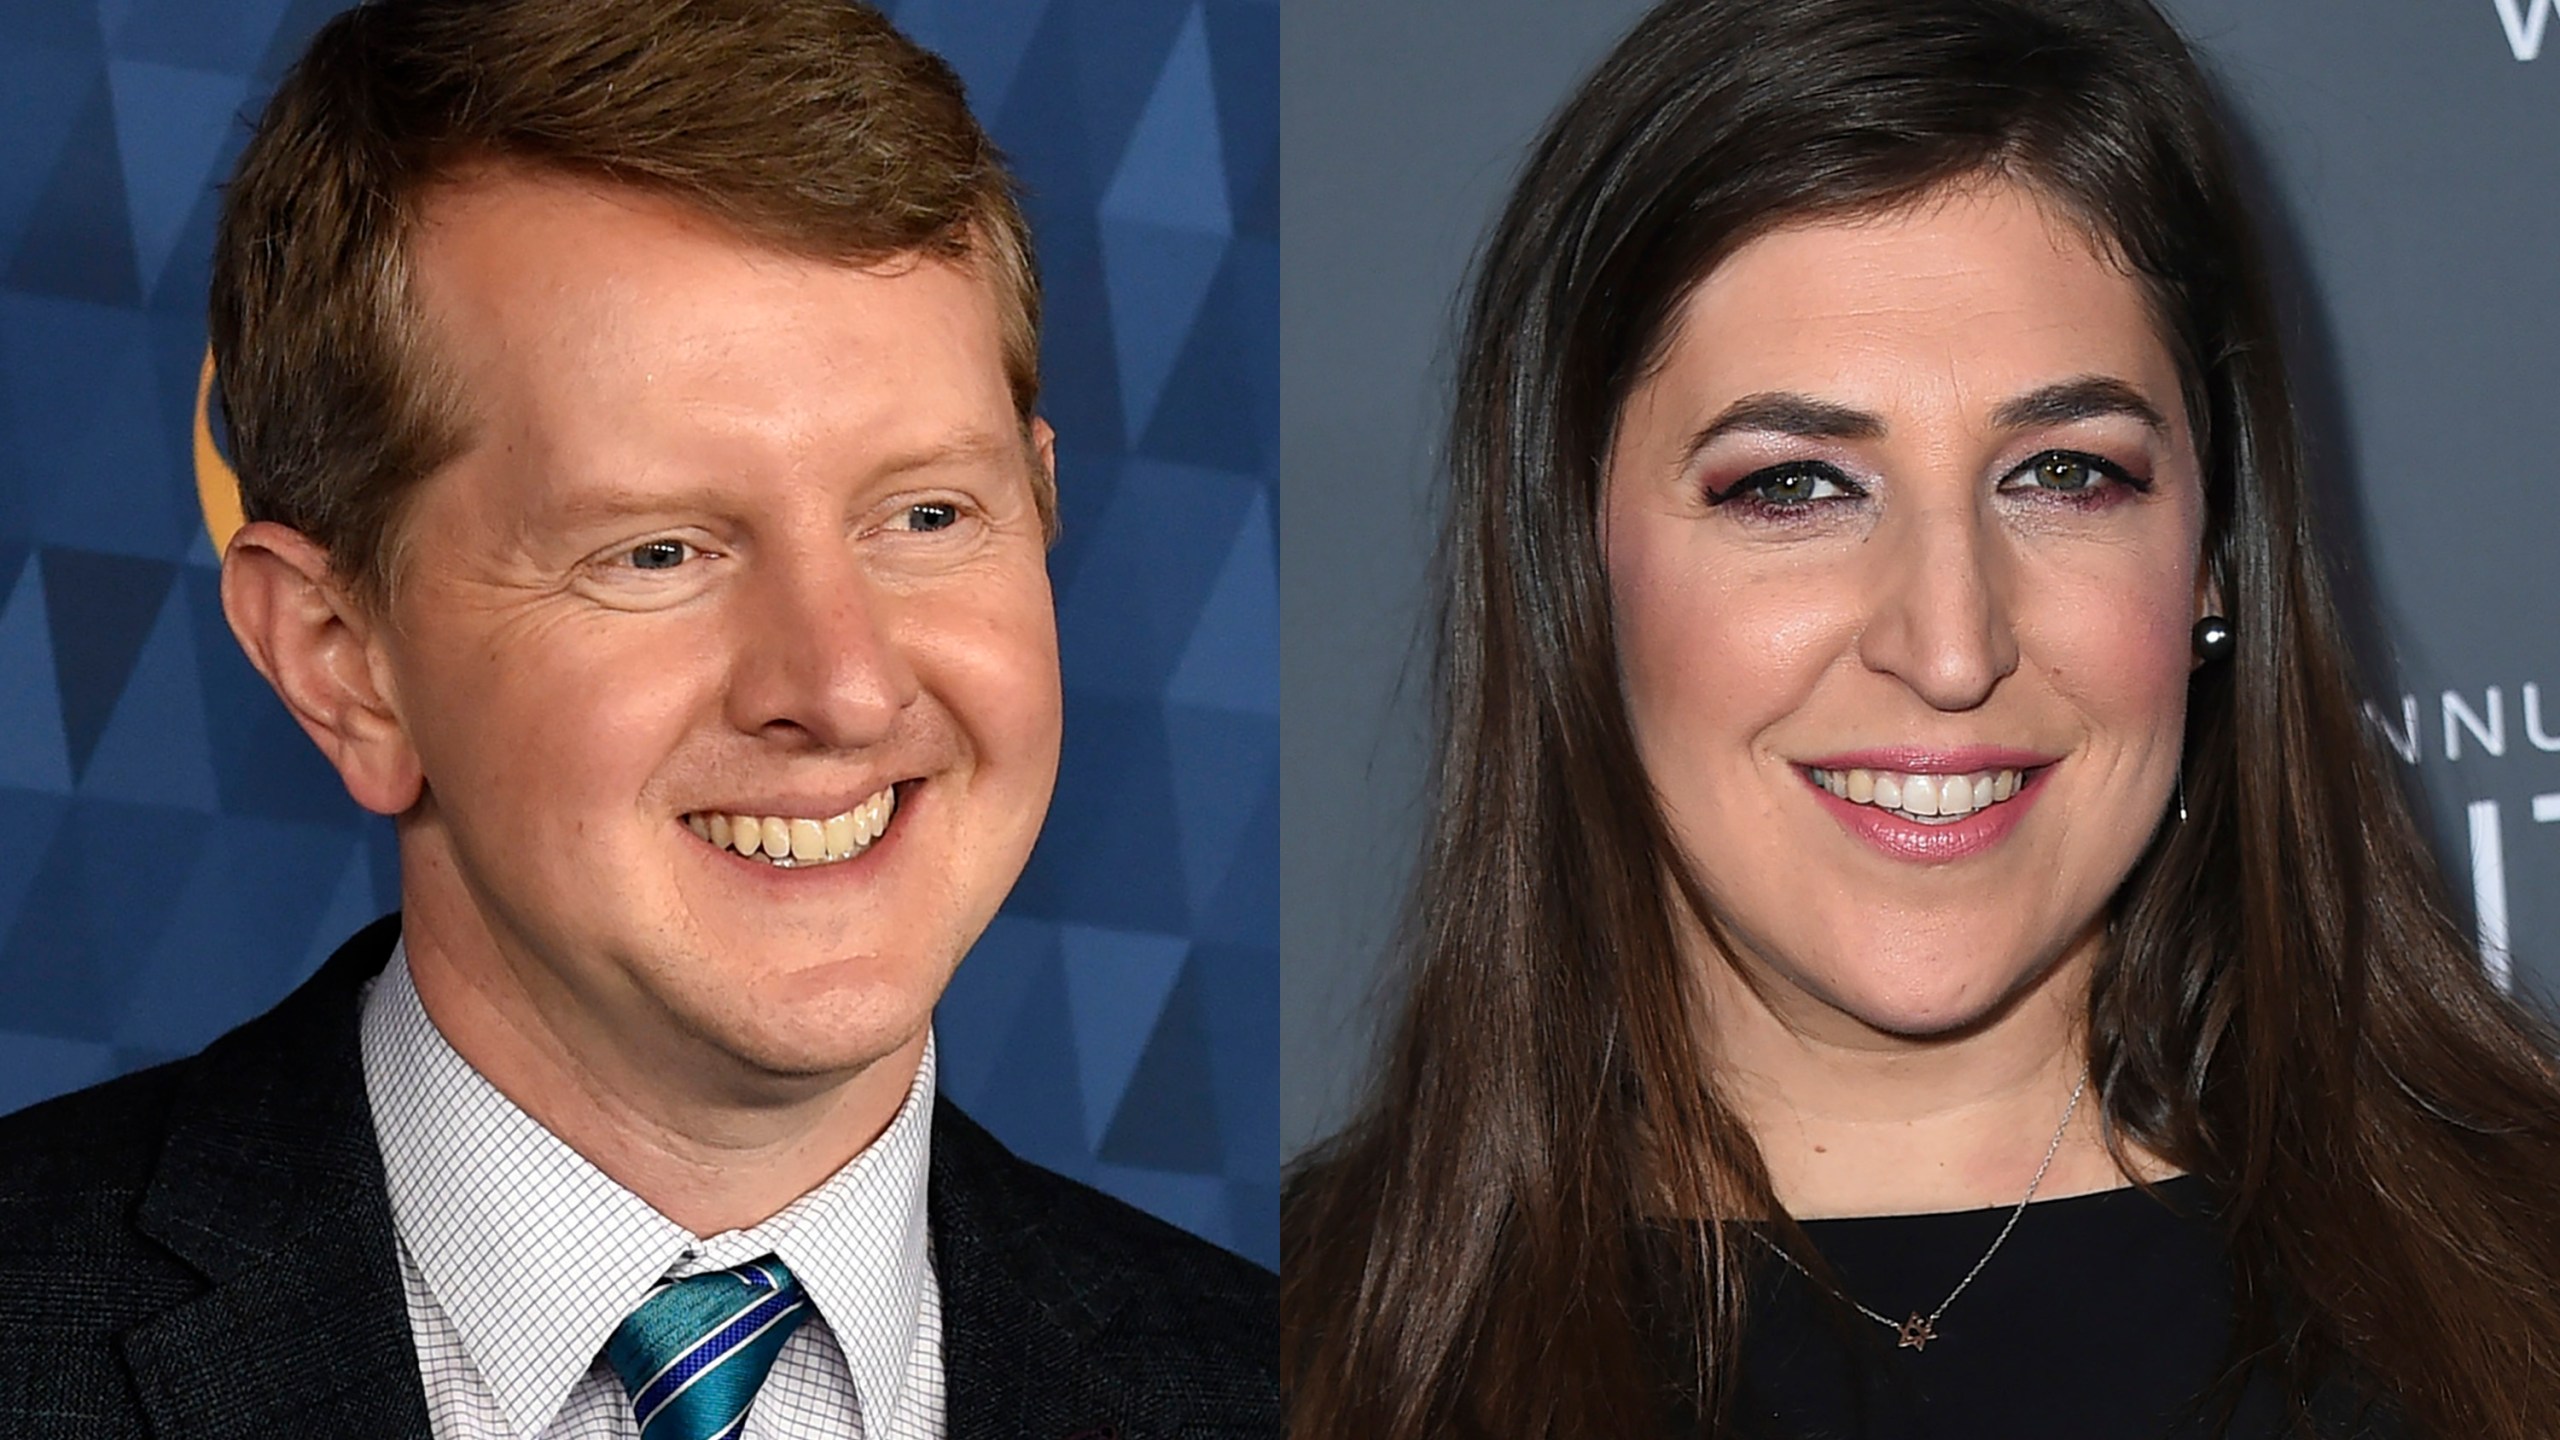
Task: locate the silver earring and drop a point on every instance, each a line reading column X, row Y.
column 2182, row 792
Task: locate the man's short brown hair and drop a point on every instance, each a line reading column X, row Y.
column 812, row 126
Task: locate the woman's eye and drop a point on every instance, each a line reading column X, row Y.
column 932, row 515
column 659, row 555
column 1785, row 487
column 2063, row 474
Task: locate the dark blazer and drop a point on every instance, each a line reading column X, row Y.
column 205, row 1250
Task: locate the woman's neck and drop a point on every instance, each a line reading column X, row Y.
column 1851, row 1120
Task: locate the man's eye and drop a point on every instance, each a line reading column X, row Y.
column 659, row 555
column 932, row 515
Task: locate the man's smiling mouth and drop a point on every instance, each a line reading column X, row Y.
column 791, row 842
column 1929, row 799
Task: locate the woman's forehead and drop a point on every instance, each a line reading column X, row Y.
column 1977, row 294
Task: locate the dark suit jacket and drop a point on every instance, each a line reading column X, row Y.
column 205, row 1250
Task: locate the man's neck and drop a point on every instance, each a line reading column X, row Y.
column 667, row 1118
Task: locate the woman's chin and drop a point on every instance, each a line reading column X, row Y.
column 1938, row 1002
column 1932, row 1018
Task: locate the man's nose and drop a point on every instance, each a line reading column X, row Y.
column 1941, row 616
column 818, row 654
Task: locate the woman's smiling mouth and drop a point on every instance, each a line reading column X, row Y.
column 1944, row 806
column 1928, row 798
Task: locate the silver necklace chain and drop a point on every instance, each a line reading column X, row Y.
column 1918, row 1330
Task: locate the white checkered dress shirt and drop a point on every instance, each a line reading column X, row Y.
column 519, row 1258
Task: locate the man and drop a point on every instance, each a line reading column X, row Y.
column 633, row 404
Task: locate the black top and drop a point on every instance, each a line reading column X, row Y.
column 2102, row 1317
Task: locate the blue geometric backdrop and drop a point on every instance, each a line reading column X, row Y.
column 174, row 855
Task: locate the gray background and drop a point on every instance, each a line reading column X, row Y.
column 2411, row 150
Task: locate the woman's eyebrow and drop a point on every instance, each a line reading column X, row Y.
column 1785, row 412
column 2083, row 397
column 1788, row 412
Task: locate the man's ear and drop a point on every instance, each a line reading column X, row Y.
column 318, row 647
column 1044, row 447
column 1044, row 457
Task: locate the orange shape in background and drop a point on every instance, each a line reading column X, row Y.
column 217, row 487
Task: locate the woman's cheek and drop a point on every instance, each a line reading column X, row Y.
column 2123, row 642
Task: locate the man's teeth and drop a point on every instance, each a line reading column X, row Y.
column 1933, row 798
column 789, row 841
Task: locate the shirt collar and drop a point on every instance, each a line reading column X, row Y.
column 536, row 1256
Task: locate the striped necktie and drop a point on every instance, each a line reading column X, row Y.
column 695, row 1352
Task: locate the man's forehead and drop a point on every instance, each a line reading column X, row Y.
column 496, row 237
column 570, row 312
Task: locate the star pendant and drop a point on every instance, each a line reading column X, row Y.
column 1917, row 1333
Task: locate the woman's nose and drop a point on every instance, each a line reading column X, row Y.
column 1940, row 617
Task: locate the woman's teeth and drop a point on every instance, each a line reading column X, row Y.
column 788, row 842
column 1932, row 799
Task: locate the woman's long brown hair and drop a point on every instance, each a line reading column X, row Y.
column 2288, row 1011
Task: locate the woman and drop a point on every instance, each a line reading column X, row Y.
column 1915, row 937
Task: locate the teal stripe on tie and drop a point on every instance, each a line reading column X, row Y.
column 694, row 1354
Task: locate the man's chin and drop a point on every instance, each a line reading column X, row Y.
column 818, row 1036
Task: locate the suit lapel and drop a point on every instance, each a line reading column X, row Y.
column 271, row 1186
column 1018, row 1325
